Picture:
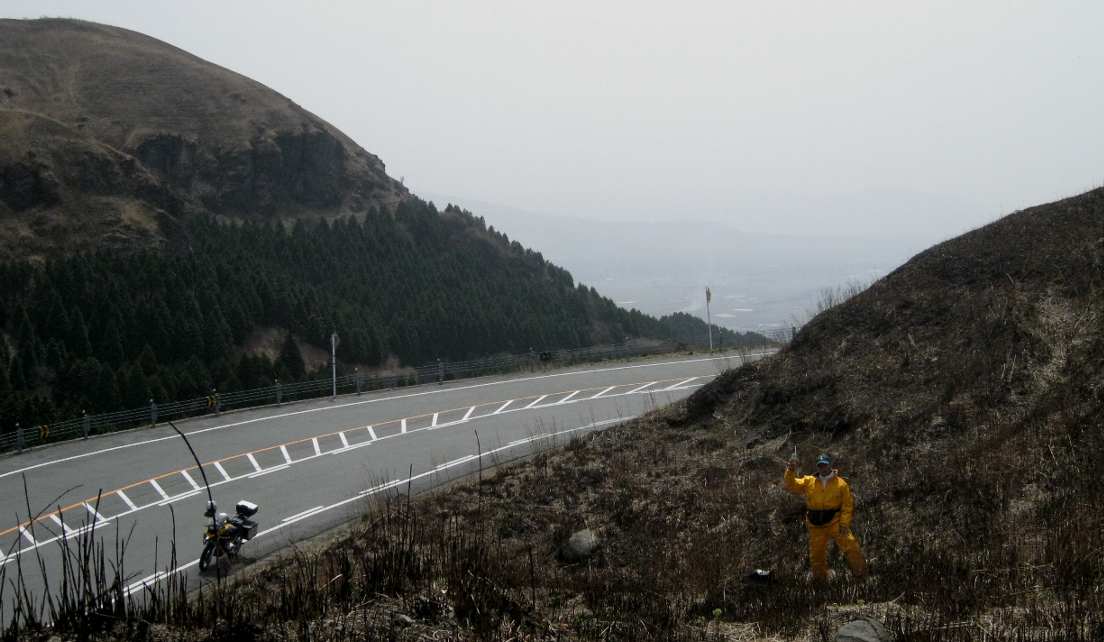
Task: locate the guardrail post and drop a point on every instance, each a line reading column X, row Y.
column 218, row 403
column 153, row 412
column 18, row 437
column 86, row 422
column 356, row 375
column 279, row 393
column 440, row 372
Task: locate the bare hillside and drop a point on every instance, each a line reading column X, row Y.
column 203, row 137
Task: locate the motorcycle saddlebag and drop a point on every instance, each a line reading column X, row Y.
column 246, row 509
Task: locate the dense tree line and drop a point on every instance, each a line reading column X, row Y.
column 107, row 331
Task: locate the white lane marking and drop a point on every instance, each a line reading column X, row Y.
column 95, row 516
column 603, row 392
column 222, row 471
column 433, row 422
column 253, row 460
column 287, row 457
column 157, row 487
column 190, row 480
column 680, row 384
column 190, row 493
column 372, row 433
column 291, row 518
column 537, row 401
column 404, row 426
column 126, row 500
column 436, row 391
column 344, row 441
column 502, row 407
column 64, row 527
column 568, row 397
column 268, row 470
column 27, row 535
column 641, row 387
column 317, row 450
column 156, row 577
column 454, row 462
column 468, row 413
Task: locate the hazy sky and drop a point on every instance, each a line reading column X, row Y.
column 918, row 119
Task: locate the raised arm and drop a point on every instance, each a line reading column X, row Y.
column 793, row 483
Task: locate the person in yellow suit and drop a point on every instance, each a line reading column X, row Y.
column 828, row 512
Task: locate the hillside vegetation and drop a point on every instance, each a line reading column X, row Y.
column 112, row 330
column 962, row 398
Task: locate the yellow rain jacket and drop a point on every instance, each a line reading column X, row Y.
column 830, row 494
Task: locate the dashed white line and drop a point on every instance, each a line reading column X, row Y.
column 344, row 441
column 126, row 500
column 253, row 460
column 157, row 487
column 433, row 422
column 535, row 402
column 568, row 397
column 27, row 535
column 222, row 471
column 680, row 384
column 503, row 407
column 603, row 392
column 317, row 450
column 468, row 413
column 371, row 433
column 403, row 424
column 189, row 479
column 64, row 527
column 641, row 387
column 287, row 457
column 92, row 511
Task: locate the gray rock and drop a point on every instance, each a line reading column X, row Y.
column 580, row 545
column 863, row 630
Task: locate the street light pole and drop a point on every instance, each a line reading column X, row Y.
column 333, row 361
column 708, row 317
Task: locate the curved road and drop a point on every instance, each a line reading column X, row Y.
column 309, row 465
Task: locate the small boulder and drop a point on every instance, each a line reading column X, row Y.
column 580, row 546
column 863, row 630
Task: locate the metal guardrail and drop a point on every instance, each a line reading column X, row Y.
column 83, row 427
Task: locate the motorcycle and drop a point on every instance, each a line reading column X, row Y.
column 225, row 536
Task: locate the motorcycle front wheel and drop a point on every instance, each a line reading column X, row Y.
column 206, row 555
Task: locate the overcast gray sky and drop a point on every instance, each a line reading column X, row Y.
column 920, row 119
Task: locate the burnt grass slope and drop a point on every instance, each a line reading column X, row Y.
column 961, row 396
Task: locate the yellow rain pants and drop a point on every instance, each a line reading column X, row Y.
column 846, row 541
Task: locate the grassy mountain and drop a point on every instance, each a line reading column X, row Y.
column 112, row 137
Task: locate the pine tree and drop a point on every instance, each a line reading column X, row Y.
column 292, row 359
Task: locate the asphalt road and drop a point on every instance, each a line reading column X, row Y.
column 309, row 465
